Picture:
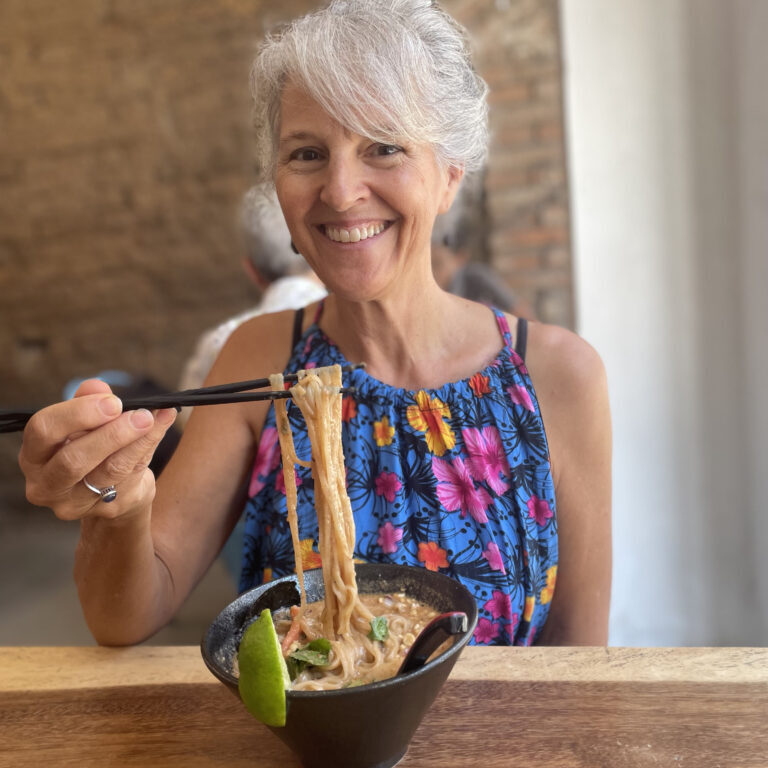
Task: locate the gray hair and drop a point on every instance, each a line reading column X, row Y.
column 267, row 239
column 396, row 71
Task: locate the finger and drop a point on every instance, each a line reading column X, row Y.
column 126, row 469
column 92, row 387
column 49, row 428
column 134, row 458
column 53, row 482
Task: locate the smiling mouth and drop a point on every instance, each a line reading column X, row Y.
column 354, row 234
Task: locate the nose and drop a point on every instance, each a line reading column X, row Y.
column 344, row 184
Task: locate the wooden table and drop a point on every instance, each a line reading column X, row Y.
column 538, row 707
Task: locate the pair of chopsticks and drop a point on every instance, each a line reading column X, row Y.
column 236, row 392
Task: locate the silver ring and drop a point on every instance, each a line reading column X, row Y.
column 107, row 494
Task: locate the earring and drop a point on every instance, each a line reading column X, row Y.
column 294, row 248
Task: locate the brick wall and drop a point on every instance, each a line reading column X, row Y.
column 125, row 149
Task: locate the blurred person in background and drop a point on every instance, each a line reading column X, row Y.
column 454, row 266
column 273, row 265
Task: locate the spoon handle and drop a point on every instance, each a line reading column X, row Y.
column 431, row 638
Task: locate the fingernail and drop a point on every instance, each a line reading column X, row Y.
column 142, row 418
column 110, row 405
column 166, row 416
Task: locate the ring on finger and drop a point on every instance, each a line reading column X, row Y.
column 107, row 494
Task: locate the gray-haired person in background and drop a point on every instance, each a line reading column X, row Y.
column 283, row 276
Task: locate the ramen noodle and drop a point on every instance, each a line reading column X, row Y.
column 344, row 618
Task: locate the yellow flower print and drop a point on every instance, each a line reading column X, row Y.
column 383, row 432
column 309, row 558
column 548, row 591
column 530, row 602
column 427, row 416
column 267, row 576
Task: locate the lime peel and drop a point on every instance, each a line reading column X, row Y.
column 263, row 672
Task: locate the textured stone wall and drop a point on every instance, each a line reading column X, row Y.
column 125, row 148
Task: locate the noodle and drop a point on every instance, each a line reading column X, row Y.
column 344, row 618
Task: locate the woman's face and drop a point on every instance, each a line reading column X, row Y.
column 360, row 212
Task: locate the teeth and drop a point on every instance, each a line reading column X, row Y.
column 354, row 235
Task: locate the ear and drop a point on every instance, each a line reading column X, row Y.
column 454, row 175
column 254, row 274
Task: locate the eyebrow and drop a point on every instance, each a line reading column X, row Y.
column 297, row 136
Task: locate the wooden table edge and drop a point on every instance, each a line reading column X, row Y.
column 42, row 668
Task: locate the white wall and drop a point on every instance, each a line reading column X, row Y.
column 662, row 102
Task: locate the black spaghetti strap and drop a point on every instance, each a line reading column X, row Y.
column 298, row 322
column 522, row 337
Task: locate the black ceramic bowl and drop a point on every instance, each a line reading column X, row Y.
column 368, row 726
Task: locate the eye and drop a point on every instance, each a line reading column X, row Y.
column 386, row 150
column 305, row 155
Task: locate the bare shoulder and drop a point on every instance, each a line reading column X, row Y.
column 562, row 364
column 255, row 349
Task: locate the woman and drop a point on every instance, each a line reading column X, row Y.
column 458, row 459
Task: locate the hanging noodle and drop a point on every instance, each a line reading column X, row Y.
column 344, row 618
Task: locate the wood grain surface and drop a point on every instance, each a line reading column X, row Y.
column 511, row 707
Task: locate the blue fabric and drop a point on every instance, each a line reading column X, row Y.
column 455, row 479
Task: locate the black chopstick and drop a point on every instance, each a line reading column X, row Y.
column 221, row 394
column 241, row 386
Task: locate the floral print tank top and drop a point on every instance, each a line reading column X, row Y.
column 455, row 479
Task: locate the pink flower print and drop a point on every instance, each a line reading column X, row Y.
column 280, row 481
column 456, row 489
column 512, row 626
column 485, row 631
column 487, row 459
column 267, row 458
column 539, row 510
column 387, row 484
column 520, row 396
column 389, row 536
column 519, row 363
column 494, row 558
column 499, row 606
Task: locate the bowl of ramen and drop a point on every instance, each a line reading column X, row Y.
column 360, row 712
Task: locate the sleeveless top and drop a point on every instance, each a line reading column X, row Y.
column 455, row 479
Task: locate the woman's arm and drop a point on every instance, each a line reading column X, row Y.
column 570, row 383
column 140, row 556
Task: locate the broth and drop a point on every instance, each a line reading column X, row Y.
column 355, row 659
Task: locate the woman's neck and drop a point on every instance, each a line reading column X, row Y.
column 414, row 341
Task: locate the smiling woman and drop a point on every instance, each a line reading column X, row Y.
column 474, row 444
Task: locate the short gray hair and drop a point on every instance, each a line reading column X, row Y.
column 267, row 239
column 392, row 70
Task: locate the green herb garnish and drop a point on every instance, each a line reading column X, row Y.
column 379, row 628
column 314, row 654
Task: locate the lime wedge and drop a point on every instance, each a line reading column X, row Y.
column 263, row 673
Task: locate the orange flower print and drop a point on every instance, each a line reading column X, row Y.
column 267, row 576
column 383, row 432
column 432, row 556
column 548, row 591
column 309, row 558
column 427, row 416
column 480, row 384
column 348, row 409
column 530, row 602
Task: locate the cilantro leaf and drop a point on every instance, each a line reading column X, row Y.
column 379, row 628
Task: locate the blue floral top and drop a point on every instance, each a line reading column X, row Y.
column 455, row 479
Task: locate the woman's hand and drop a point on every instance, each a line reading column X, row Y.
column 89, row 437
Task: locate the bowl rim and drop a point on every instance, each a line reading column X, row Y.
column 461, row 640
